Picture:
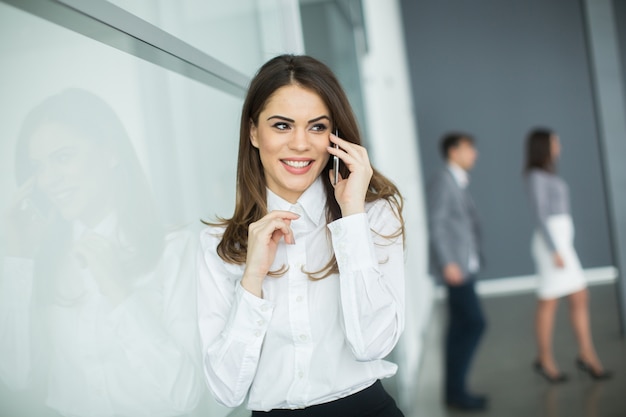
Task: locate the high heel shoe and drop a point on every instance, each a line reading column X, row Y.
column 597, row 375
column 553, row 379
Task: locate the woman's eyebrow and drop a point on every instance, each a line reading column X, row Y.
column 287, row 119
column 319, row 118
column 281, row 118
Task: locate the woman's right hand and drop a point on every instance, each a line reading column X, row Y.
column 25, row 223
column 558, row 260
column 263, row 238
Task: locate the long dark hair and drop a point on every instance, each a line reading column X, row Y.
column 251, row 203
column 539, row 150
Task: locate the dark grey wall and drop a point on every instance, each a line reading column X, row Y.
column 497, row 68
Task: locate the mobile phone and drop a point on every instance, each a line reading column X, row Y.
column 336, row 161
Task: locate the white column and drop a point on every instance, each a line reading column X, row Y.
column 392, row 129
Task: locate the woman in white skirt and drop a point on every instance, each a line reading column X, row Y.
column 558, row 267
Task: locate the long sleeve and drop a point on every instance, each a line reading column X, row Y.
column 232, row 325
column 371, row 269
column 135, row 358
column 539, row 194
column 438, row 217
column 155, row 342
column 16, row 287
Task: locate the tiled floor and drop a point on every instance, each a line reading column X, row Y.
column 502, row 368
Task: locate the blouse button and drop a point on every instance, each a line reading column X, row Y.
column 299, row 298
column 257, row 333
column 265, row 307
column 300, row 374
column 260, row 322
column 303, row 337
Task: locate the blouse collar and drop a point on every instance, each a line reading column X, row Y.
column 312, row 202
column 106, row 228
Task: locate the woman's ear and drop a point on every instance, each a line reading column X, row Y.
column 253, row 134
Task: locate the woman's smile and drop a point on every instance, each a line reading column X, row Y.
column 297, row 166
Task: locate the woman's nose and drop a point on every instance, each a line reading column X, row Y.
column 299, row 140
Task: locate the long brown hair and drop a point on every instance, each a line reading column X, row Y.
column 539, row 150
column 251, row 198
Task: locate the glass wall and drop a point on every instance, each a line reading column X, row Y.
column 108, row 162
column 118, row 134
column 334, row 33
column 231, row 32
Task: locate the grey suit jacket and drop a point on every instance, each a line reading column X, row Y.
column 453, row 225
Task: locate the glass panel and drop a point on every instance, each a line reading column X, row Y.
column 107, row 165
column 329, row 35
column 239, row 33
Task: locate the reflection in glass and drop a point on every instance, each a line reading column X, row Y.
column 96, row 297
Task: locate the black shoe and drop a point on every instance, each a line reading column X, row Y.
column 598, row 376
column 553, row 379
column 467, row 402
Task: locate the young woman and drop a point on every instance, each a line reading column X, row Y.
column 301, row 291
column 94, row 295
column 559, row 270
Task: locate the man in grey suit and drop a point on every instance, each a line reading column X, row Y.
column 455, row 259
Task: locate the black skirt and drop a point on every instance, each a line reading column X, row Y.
column 373, row 401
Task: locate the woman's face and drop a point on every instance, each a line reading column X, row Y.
column 292, row 135
column 72, row 172
column 555, row 147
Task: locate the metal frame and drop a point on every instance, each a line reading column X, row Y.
column 116, row 27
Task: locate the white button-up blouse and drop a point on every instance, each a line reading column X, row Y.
column 306, row 341
column 135, row 358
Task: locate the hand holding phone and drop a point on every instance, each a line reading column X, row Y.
column 336, row 161
column 25, row 221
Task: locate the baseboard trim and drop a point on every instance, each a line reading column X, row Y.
column 528, row 283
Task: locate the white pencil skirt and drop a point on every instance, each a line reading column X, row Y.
column 554, row 282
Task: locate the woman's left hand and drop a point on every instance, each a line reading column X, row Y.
column 350, row 192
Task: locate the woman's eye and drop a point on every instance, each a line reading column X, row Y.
column 319, row 127
column 281, row 126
